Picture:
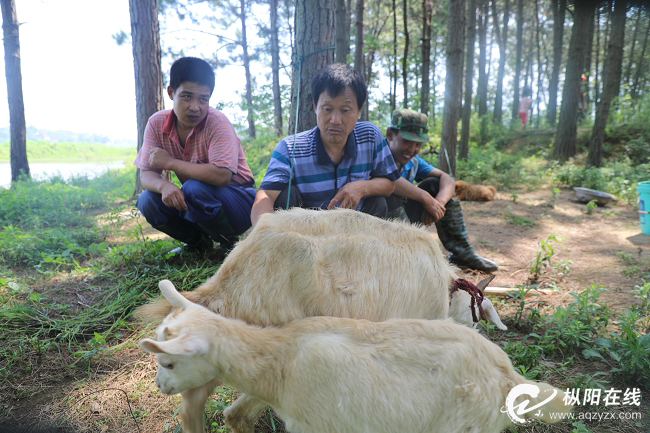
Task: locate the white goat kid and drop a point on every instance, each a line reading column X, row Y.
column 326, row 374
column 302, row 263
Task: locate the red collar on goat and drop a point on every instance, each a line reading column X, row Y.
column 474, row 292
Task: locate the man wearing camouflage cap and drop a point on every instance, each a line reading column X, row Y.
column 431, row 201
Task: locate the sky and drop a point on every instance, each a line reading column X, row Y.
column 76, row 77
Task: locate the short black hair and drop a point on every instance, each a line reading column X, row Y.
column 527, row 91
column 335, row 78
column 191, row 69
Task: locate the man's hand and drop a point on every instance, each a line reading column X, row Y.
column 172, row 196
column 159, row 158
column 349, row 196
column 433, row 211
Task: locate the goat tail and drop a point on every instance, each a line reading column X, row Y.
column 157, row 310
column 551, row 410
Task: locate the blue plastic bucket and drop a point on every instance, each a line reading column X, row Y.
column 644, row 206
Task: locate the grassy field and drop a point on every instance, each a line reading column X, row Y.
column 42, row 151
column 76, row 259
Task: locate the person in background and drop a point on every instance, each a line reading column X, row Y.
column 431, row 201
column 198, row 143
column 339, row 163
column 524, row 107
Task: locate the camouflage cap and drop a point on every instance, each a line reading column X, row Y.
column 411, row 124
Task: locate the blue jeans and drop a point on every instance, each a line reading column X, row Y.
column 204, row 202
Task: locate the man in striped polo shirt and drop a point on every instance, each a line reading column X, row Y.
column 431, row 201
column 198, row 143
column 339, row 163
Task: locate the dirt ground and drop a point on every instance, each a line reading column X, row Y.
column 606, row 248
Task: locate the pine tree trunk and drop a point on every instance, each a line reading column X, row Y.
column 358, row 41
column 640, row 66
column 453, row 82
column 587, row 67
column 539, row 64
column 502, row 38
column 597, row 66
column 565, row 137
column 628, row 73
column 520, row 43
column 342, row 25
column 17, row 129
column 145, row 38
column 463, row 150
column 275, row 66
column 427, row 10
column 314, row 33
column 614, row 66
column 481, row 91
column 405, row 81
column 393, row 102
column 247, row 71
column 559, row 10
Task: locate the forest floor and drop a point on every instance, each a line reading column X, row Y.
column 116, row 393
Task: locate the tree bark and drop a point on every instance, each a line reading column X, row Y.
column 358, row 41
column 559, row 10
column 463, row 151
column 275, row 66
column 145, row 37
column 247, row 71
column 427, row 10
column 539, row 64
column 587, row 67
column 17, row 129
column 614, row 66
column 502, row 38
column 596, row 69
column 393, row 102
column 342, row 25
column 481, row 90
column 628, row 73
column 406, row 54
column 314, row 39
column 565, row 137
column 453, row 83
column 640, row 66
column 519, row 49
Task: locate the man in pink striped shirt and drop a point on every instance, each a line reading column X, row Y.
column 199, row 144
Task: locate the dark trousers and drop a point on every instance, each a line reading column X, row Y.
column 373, row 205
column 413, row 208
column 204, row 202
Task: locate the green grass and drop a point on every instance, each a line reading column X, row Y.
column 43, row 151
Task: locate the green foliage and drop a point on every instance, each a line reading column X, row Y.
column 628, row 352
column 591, row 206
column 619, row 178
column 487, row 165
column 71, row 152
column 543, row 257
column 525, row 357
column 518, row 221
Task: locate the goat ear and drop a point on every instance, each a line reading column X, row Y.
column 184, row 345
column 171, row 294
column 484, row 282
column 492, row 315
column 151, row 346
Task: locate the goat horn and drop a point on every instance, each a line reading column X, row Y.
column 484, row 282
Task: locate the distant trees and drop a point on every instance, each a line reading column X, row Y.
column 145, row 38
column 18, row 135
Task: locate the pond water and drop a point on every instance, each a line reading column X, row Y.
column 42, row 170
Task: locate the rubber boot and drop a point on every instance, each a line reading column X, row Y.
column 194, row 240
column 220, row 231
column 453, row 235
